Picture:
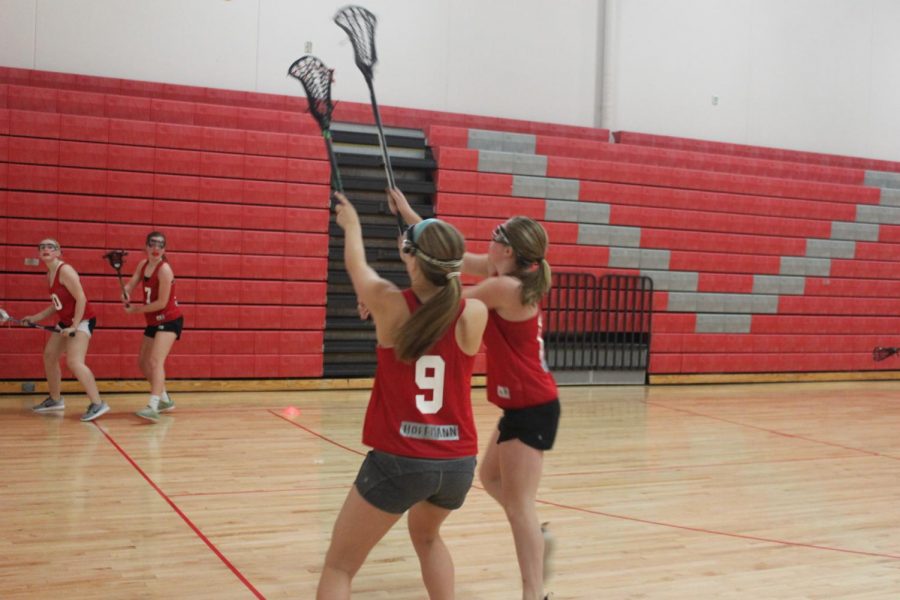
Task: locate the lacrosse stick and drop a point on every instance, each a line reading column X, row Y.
column 116, row 259
column 5, row 317
column 359, row 24
column 880, row 353
column 316, row 77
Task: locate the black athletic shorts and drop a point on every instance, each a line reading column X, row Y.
column 175, row 326
column 395, row 483
column 535, row 426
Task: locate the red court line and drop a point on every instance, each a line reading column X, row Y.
column 773, row 431
column 259, row 491
column 183, row 516
column 722, row 533
column 645, row 521
column 318, row 435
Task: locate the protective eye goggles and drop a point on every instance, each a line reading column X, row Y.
column 499, row 235
column 155, row 243
column 48, row 247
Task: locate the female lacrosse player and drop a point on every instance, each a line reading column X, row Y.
column 75, row 314
column 419, row 420
column 517, row 276
column 164, row 321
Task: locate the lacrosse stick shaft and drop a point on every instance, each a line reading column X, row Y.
column 122, row 286
column 35, row 325
column 336, row 183
column 388, row 171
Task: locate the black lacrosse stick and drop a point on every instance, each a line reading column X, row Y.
column 316, row 78
column 6, row 318
column 881, row 353
column 359, row 24
column 116, row 259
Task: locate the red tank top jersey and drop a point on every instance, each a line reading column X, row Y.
column 151, row 294
column 64, row 302
column 517, row 374
column 423, row 409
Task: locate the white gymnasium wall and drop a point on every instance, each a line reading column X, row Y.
column 817, row 75
column 521, row 59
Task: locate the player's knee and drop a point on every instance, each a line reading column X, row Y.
column 153, row 363
column 341, row 565
column 423, row 539
column 75, row 365
column 518, row 508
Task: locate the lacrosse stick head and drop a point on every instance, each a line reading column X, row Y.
column 116, row 258
column 359, row 24
column 880, row 353
column 315, row 77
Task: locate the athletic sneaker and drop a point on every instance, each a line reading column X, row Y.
column 549, row 547
column 95, row 410
column 166, row 406
column 49, row 405
column 148, row 413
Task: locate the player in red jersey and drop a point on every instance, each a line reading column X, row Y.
column 75, row 315
column 517, row 276
column 156, row 281
column 419, row 420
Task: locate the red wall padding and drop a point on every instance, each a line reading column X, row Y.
column 244, row 206
column 239, row 183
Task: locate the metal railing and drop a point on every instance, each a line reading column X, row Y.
column 598, row 325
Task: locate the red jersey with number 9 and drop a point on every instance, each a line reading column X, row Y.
column 151, row 294
column 423, row 409
column 64, row 302
column 517, row 374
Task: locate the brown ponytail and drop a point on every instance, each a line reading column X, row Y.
column 529, row 242
column 438, row 248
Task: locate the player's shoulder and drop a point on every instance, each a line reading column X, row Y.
column 166, row 268
column 67, row 271
column 503, row 289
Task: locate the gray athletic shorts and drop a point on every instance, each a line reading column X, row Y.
column 395, row 483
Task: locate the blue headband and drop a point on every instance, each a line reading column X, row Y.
column 416, row 230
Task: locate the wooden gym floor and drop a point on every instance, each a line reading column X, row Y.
column 725, row 491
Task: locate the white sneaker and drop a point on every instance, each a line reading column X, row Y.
column 148, row 413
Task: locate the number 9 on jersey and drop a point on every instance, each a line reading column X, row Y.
column 430, row 376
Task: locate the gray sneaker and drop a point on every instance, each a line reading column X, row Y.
column 95, row 410
column 148, row 413
column 166, row 406
column 49, row 405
